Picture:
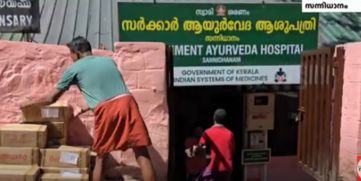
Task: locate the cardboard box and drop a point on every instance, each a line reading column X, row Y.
column 65, row 157
column 56, row 130
column 55, row 112
column 19, row 156
column 23, row 135
column 61, row 170
column 57, row 133
column 19, row 173
column 66, row 176
column 31, row 113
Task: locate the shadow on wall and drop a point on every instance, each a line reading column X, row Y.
column 121, row 171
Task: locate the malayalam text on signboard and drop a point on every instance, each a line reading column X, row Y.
column 232, row 44
column 19, row 16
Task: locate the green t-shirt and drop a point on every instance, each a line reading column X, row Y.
column 97, row 78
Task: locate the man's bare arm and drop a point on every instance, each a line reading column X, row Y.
column 52, row 97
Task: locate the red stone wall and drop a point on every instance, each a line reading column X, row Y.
column 350, row 145
column 30, row 70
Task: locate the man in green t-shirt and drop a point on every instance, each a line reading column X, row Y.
column 118, row 123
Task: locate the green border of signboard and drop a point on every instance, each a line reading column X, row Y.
column 225, row 44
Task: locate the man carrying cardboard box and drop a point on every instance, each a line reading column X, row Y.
column 118, row 123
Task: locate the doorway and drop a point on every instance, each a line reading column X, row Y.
column 283, row 138
column 192, row 107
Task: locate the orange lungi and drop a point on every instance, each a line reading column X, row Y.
column 119, row 125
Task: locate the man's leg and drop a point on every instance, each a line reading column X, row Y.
column 98, row 169
column 145, row 163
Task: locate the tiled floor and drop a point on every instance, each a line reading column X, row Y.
column 280, row 169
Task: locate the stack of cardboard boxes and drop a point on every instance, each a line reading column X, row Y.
column 65, row 162
column 56, row 117
column 36, row 149
column 19, row 151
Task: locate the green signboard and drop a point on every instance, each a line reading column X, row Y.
column 256, row 156
column 231, row 44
